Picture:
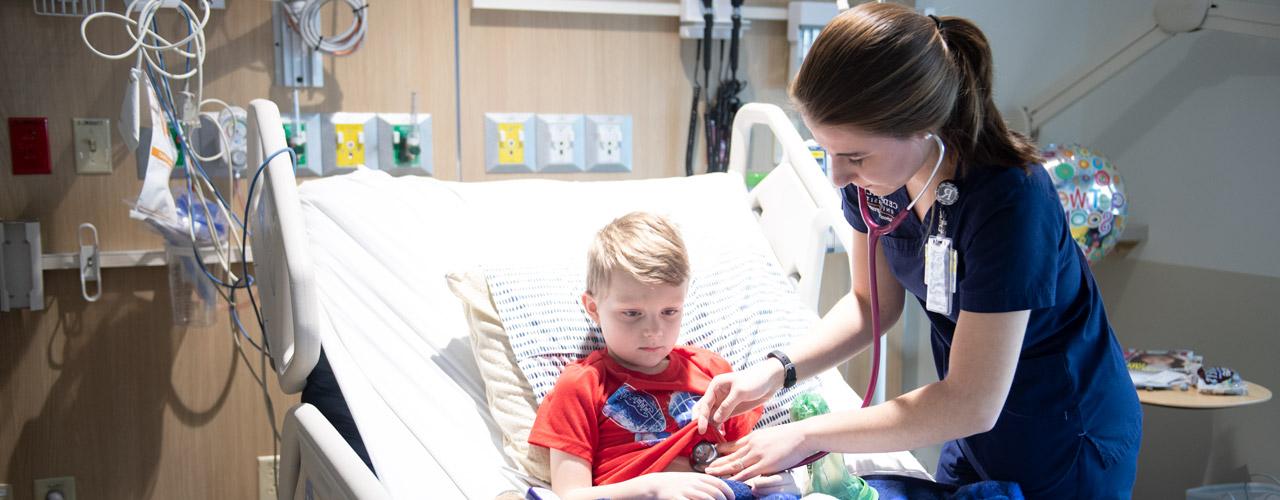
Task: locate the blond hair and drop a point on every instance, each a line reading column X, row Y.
column 647, row 247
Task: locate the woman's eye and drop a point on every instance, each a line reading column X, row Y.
column 855, row 162
column 671, row 312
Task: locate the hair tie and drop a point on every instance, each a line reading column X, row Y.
column 936, row 21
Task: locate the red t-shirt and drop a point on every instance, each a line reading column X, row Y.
column 627, row 423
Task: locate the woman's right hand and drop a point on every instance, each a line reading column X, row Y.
column 733, row 393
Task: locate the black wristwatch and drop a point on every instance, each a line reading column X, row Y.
column 789, row 379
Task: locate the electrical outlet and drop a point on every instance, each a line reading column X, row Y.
column 350, row 143
column 93, row 145
column 560, row 141
column 406, row 146
column 305, row 145
column 348, row 139
column 510, row 143
column 64, row 486
column 506, row 138
column 267, row 468
column 609, row 143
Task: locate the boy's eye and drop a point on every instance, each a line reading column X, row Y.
column 631, row 314
column 670, row 312
column 855, row 162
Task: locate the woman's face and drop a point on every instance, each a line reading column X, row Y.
column 877, row 163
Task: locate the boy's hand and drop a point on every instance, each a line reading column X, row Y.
column 687, row 485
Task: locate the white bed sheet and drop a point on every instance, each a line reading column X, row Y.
column 397, row 337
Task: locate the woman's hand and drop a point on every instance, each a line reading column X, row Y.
column 764, row 451
column 733, row 393
column 683, row 485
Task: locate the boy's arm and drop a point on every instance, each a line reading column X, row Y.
column 571, row 480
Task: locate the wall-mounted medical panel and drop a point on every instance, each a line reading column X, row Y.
column 509, row 140
column 608, row 143
column 560, row 144
column 405, row 146
column 305, row 141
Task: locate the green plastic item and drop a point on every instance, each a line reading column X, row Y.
column 754, row 178
column 828, row 475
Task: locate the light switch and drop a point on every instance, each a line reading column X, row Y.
column 93, row 145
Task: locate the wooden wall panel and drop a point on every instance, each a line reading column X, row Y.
column 540, row 62
column 49, row 72
column 112, row 393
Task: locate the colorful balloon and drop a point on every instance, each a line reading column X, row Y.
column 1092, row 196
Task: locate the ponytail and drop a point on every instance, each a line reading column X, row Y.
column 975, row 128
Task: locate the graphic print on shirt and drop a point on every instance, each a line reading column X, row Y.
column 637, row 411
column 681, row 407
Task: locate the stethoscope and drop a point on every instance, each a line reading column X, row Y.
column 874, row 232
column 705, row 452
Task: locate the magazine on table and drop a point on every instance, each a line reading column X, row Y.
column 1163, row 368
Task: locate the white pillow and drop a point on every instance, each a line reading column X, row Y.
column 739, row 306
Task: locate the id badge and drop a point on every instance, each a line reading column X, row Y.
column 939, row 275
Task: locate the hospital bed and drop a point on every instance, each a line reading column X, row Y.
column 357, row 263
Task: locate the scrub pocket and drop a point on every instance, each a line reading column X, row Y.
column 1039, row 435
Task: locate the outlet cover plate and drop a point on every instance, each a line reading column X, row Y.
column 608, row 143
column 65, row 484
column 560, row 143
column 93, row 145
column 508, row 143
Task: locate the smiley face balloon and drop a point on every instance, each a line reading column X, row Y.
column 1092, row 195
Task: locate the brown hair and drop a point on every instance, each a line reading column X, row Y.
column 646, row 246
column 889, row 70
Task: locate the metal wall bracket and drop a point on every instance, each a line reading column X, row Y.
column 297, row 65
column 21, row 276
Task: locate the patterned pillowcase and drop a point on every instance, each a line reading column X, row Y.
column 740, row 306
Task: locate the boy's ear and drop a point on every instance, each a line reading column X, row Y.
column 589, row 303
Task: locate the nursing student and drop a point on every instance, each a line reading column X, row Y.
column 1032, row 382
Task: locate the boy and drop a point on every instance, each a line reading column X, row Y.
column 618, row 421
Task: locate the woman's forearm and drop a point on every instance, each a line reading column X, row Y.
column 929, row 415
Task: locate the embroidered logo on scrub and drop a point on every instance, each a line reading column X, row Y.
column 884, row 208
column 638, row 412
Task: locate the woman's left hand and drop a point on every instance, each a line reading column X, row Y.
column 763, row 451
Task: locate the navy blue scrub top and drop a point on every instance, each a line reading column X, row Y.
column 1071, row 392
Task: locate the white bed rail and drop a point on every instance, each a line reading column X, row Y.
column 283, row 268
column 800, row 248
column 316, row 462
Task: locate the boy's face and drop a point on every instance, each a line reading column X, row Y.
column 640, row 322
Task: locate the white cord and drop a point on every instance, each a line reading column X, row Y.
column 140, row 31
column 306, row 21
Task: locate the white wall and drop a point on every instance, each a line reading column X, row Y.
column 1193, row 125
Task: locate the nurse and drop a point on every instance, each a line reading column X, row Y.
column 1033, row 387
